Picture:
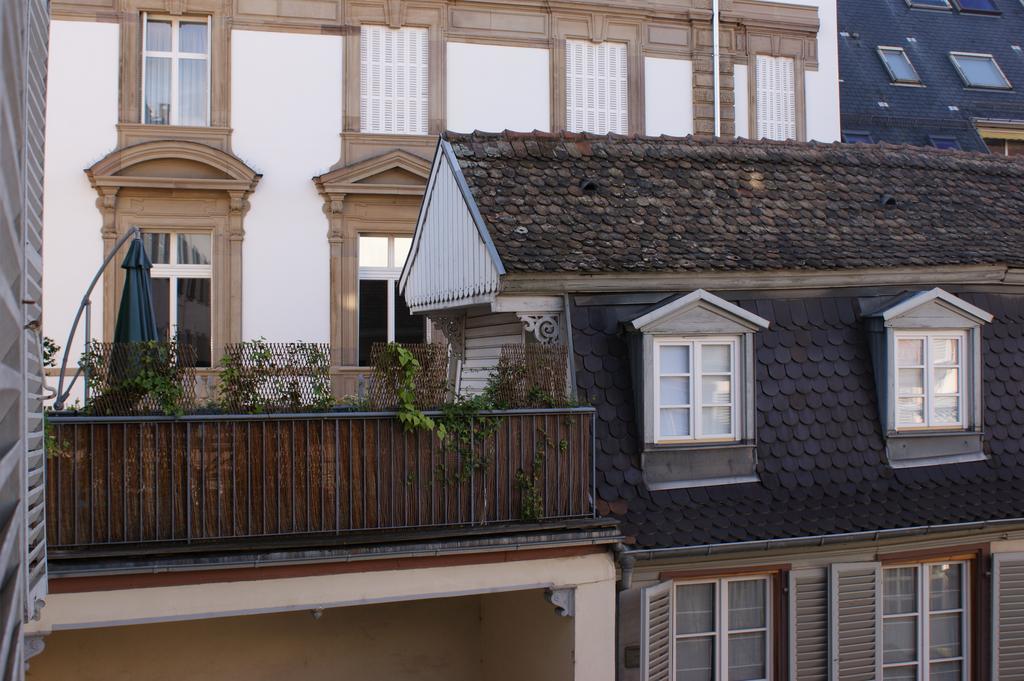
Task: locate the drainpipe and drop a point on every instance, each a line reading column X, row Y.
column 715, row 58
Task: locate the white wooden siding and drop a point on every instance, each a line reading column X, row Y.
column 776, row 98
column 596, row 87
column 394, row 82
column 449, row 262
column 485, row 335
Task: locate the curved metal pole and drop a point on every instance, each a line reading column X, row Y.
column 62, row 395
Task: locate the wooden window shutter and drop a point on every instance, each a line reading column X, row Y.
column 394, row 80
column 1008, row 616
column 656, row 645
column 776, row 97
column 808, row 608
column 596, row 87
column 855, row 628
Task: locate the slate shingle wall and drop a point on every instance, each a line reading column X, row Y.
column 821, row 458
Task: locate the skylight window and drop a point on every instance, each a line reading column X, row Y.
column 981, row 6
column 944, row 142
column 979, row 70
column 897, row 63
column 857, row 137
column 929, row 4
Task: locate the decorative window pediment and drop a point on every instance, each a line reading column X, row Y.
column 699, row 312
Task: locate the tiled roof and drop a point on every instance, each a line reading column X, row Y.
column 583, row 203
column 820, row 450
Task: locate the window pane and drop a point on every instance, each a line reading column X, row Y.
column 947, row 410
column 900, row 640
column 945, row 351
column 716, row 421
column 944, row 632
column 716, row 389
column 695, row 608
column 194, row 317
column 716, row 358
column 695, row 659
column 402, row 246
column 946, row 581
column 192, row 37
column 945, row 671
column 674, row 359
column 675, row 390
column 946, row 381
column 910, row 411
column 194, row 249
column 746, row 604
column 373, row 317
column 373, row 251
column 981, row 71
column 158, row 36
column 409, row 328
column 162, row 306
column 910, row 352
column 911, row 381
column 158, row 247
column 977, row 5
column 747, row 657
column 192, row 91
column 899, row 66
column 158, row 91
column 901, row 673
column 675, row 422
column 899, row 590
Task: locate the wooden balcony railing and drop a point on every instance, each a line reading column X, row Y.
column 128, row 480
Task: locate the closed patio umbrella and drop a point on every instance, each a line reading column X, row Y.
column 136, row 321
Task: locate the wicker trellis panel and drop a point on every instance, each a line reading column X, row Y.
column 262, row 377
column 113, row 366
column 531, row 376
column 431, row 383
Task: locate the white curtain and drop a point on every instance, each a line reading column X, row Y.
column 158, row 91
column 192, row 92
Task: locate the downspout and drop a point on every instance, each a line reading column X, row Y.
column 715, row 60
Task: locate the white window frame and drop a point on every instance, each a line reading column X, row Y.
column 175, row 56
column 923, row 615
column 174, row 271
column 916, row 5
column 883, row 50
column 696, row 393
column 967, row 82
column 413, row 127
column 963, row 365
column 390, row 273
column 721, row 631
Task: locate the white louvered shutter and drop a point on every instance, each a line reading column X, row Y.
column 596, row 87
column 855, row 628
column 656, row 645
column 394, row 80
column 808, row 608
column 1008, row 616
column 776, row 98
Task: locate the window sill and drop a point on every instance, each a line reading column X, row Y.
column 698, row 465
column 137, row 133
column 931, row 448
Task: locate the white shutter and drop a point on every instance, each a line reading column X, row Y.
column 394, row 80
column 1008, row 616
column 596, row 87
column 656, row 619
column 776, row 98
column 855, row 622
column 808, row 611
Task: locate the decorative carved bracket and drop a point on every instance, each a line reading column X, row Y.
column 34, row 644
column 546, row 328
column 453, row 327
column 564, row 600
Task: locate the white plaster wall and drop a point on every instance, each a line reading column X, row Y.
column 81, row 119
column 741, row 85
column 286, row 114
column 669, row 96
column 494, row 88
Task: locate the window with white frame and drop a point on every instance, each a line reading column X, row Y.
column 924, row 622
column 721, row 630
column 394, row 80
column 383, row 315
column 930, row 379
column 696, row 389
column 175, row 71
column 596, row 87
column 898, row 64
column 979, row 70
column 182, row 294
column 776, row 97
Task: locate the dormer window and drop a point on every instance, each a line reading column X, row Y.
column 927, row 355
column 695, row 360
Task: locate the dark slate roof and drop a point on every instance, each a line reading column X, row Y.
column 821, row 458
column 915, row 113
column 671, row 204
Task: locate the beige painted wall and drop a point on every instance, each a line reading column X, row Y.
column 489, row 637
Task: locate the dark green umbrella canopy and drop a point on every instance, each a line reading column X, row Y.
column 136, row 321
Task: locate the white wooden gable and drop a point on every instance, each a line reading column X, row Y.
column 452, row 262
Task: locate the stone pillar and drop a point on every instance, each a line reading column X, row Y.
column 704, row 80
